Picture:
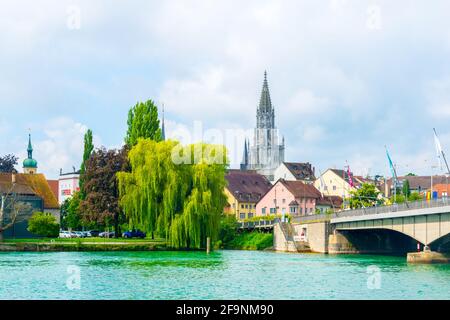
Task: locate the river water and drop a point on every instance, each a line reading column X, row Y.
column 221, row 275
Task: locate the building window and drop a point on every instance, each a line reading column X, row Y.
column 301, row 210
column 242, row 216
column 273, row 210
column 264, row 210
column 246, row 206
column 284, row 201
column 250, row 215
column 334, row 188
column 293, row 209
column 242, row 206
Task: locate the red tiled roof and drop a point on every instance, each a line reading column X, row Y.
column 301, row 171
column 335, row 201
column 301, row 190
column 247, row 185
column 54, row 186
column 420, row 182
column 31, row 184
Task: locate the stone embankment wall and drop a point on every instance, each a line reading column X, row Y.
column 280, row 243
column 311, row 237
column 316, row 235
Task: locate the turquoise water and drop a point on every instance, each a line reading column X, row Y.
column 221, row 275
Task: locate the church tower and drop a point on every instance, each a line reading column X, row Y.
column 267, row 153
column 29, row 164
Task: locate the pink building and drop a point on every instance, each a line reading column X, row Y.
column 290, row 197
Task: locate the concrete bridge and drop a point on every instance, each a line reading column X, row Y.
column 388, row 229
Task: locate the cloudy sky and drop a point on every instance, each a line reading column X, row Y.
column 346, row 77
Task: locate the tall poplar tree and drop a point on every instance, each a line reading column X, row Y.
column 181, row 201
column 88, row 149
column 143, row 122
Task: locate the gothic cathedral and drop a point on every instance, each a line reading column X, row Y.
column 267, row 153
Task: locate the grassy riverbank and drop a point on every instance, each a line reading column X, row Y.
column 87, row 244
column 250, row 241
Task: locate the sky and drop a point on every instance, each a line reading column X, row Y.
column 347, row 78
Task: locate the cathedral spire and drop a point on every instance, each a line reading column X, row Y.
column 245, row 157
column 265, row 104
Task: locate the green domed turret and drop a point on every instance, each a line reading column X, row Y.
column 29, row 164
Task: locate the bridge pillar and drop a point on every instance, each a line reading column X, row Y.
column 427, row 257
column 338, row 243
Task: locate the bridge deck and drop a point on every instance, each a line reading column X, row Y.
column 399, row 210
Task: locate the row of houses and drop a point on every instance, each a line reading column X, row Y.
column 297, row 191
column 251, row 194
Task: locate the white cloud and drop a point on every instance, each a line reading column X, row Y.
column 207, row 95
column 304, row 103
column 438, row 95
column 313, row 133
column 205, row 60
column 61, row 147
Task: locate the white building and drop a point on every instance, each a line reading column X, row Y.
column 295, row 171
column 68, row 184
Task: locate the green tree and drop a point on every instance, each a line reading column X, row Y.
column 366, row 196
column 63, row 211
column 415, row 196
column 406, row 189
column 399, row 198
column 143, row 122
column 175, row 191
column 7, row 163
column 101, row 204
column 228, row 228
column 72, row 219
column 88, row 149
column 43, row 224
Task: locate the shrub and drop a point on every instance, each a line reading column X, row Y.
column 415, row 196
column 43, row 224
column 228, row 226
column 252, row 241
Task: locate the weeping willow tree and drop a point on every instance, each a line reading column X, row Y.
column 175, row 191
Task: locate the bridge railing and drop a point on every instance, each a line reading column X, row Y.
column 421, row 204
column 314, row 217
column 258, row 224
